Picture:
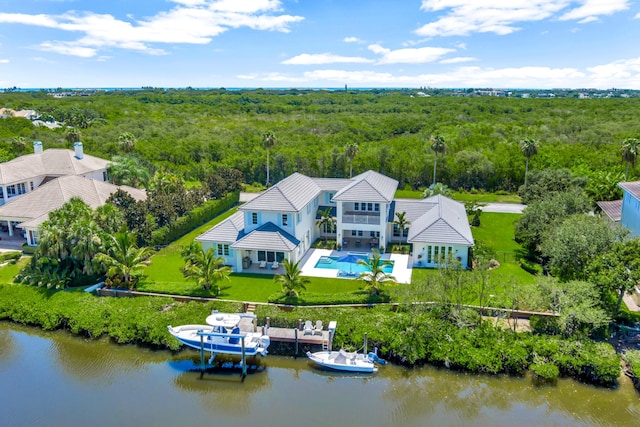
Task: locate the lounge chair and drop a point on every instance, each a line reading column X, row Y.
column 275, row 265
column 317, row 330
column 263, row 264
column 307, row 329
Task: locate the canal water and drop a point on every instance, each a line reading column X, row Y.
column 55, row 379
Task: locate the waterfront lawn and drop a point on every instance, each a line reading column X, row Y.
column 9, row 270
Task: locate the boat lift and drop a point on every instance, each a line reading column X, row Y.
column 224, row 335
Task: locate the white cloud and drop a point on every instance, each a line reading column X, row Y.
column 541, row 77
column 464, row 17
column 352, row 40
column 4, row 61
column 324, row 58
column 621, row 73
column 458, row 60
column 191, row 22
column 590, row 9
column 409, row 55
column 68, row 49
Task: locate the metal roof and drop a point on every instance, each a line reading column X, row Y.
column 332, row 184
column 613, row 209
column 267, row 237
column 228, row 231
column 369, row 186
column 413, row 209
column 632, row 188
column 291, row 194
column 445, row 223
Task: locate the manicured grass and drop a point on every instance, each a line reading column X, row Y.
column 8, row 271
column 464, row 196
column 496, row 230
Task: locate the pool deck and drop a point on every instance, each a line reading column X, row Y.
column 401, row 266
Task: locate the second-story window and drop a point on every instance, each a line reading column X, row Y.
column 356, row 206
column 254, row 217
column 285, row 220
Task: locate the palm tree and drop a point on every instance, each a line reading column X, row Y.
column 351, row 150
column 376, row 277
column 268, row 141
column 326, row 221
column 438, row 146
column 292, row 280
column 204, row 267
column 20, row 142
column 123, row 259
column 127, row 141
column 73, row 135
column 402, row 223
column 128, row 171
column 528, row 147
column 630, row 150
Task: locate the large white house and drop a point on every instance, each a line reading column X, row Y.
column 281, row 223
column 35, row 184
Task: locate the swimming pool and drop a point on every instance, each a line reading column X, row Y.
column 331, row 262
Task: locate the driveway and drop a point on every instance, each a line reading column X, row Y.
column 504, row 207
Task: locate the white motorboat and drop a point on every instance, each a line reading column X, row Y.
column 344, row 361
column 222, row 334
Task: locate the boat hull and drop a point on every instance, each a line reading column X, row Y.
column 188, row 335
column 343, row 361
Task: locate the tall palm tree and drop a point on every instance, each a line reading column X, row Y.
column 127, row 141
column 291, row 280
column 123, row 259
column 375, row 277
column 438, row 146
column 402, row 222
column 125, row 170
column 326, row 221
column 630, row 151
column 268, row 141
column 528, row 148
column 351, row 150
column 205, row 267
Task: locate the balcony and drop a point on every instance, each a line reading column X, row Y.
column 370, row 218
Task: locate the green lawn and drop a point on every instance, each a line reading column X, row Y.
column 8, row 271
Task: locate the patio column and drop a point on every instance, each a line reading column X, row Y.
column 10, row 228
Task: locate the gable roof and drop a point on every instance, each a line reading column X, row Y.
column 413, row 209
column 369, row 186
column 445, row 223
column 55, row 193
column 51, row 162
column 228, row 231
column 267, row 237
column 291, row 194
column 632, row 188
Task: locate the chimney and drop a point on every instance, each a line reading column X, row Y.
column 77, row 147
column 37, row 147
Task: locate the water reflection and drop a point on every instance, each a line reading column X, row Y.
column 7, row 348
column 98, row 374
column 222, row 389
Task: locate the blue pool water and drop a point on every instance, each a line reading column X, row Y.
column 331, row 262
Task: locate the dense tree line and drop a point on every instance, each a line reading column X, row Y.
column 193, row 133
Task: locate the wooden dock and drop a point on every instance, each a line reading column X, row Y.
column 322, row 338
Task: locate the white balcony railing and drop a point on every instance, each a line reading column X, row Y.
column 369, row 218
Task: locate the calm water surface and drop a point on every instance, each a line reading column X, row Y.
column 55, row 379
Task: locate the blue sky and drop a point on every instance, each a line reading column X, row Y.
column 320, row 43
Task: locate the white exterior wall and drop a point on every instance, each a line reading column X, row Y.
column 97, row 175
column 305, row 230
column 458, row 251
column 233, row 259
column 343, row 227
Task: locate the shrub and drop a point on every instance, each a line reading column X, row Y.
column 545, row 370
column 28, row 250
column 10, row 256
column 193, row 219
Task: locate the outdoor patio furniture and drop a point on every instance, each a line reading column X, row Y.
column 307, row 329
column 317, row 330
column 263, row 264
column 275, row 265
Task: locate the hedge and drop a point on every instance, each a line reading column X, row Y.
column 193, row 219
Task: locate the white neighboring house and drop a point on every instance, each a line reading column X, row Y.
column 35, row 184
column 280, row 223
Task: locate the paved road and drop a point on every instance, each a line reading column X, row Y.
column 504, row 207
